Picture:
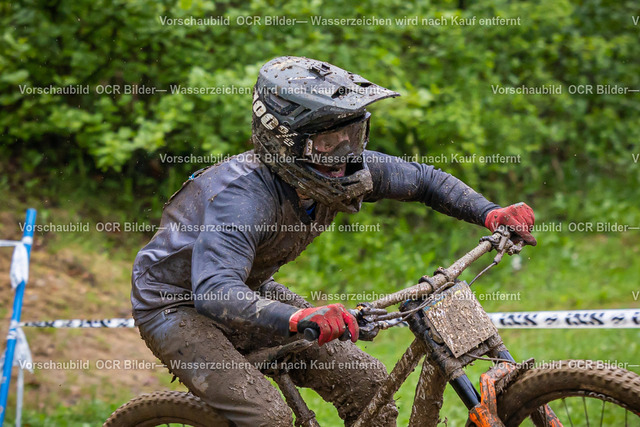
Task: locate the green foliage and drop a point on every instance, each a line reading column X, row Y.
column 85, row 413
column 445, row 74
column 99, row 155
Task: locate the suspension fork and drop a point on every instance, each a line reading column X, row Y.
column 452, row 368
column 460, row 382
column 482, row 405
column 486, row 413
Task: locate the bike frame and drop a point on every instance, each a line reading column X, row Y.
column 439, row 367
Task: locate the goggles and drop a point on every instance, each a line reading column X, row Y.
column 339, row 145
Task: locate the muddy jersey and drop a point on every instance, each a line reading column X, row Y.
column 234, row 224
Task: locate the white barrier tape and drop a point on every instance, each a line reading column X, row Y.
column 21, row 358
column 19, row 272
column 620, row 318
column 572, row 319
column 80, row 323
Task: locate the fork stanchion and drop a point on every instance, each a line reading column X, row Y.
column 27, row 240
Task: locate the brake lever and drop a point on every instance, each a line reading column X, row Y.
column 365, row 315
column 501, row 241
column 504, row 238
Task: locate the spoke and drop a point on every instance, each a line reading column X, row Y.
column 614, row 417
column 567, row 410
column 584, row 404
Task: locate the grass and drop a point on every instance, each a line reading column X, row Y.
column 543, row 345
column 89, row 412
column 567, row 270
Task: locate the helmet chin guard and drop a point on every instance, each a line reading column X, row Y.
column 308, row 112
column 344, row 194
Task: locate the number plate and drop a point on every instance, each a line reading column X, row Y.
column 458, row 317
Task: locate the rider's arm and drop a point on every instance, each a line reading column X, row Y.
column 222, row 259
column 394, row 178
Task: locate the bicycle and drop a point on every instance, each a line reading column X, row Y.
column 452, row 330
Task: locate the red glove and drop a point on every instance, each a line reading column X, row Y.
column 330, row 320
column 519, row 218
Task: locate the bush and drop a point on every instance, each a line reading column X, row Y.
column 445, row 74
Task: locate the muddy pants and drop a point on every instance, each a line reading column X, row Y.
column 210, row 362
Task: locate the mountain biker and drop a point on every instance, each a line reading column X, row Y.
column 202, row 289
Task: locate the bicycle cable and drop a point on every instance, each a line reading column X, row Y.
column 482, row 272
column 492, row 359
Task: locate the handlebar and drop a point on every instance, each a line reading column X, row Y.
column 311, row 334
column 499, row 239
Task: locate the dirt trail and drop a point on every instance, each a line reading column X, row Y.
column 74, row 284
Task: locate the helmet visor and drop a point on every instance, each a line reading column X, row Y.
column 337, row 146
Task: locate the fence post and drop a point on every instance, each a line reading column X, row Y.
column 27, row 240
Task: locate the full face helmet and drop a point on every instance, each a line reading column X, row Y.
column 309, row 117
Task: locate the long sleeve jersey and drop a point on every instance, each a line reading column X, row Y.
column 233, row 225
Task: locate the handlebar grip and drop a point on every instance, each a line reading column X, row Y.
column 311, row 334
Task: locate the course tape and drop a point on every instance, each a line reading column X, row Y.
column 622, row 318
column 79, row 323
column 572, row 319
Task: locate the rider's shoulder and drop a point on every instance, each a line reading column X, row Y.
column 373, row 158
column 237, row 165
column 235, row 175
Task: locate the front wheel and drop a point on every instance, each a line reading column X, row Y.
column 163, row 408
column 580, row 392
